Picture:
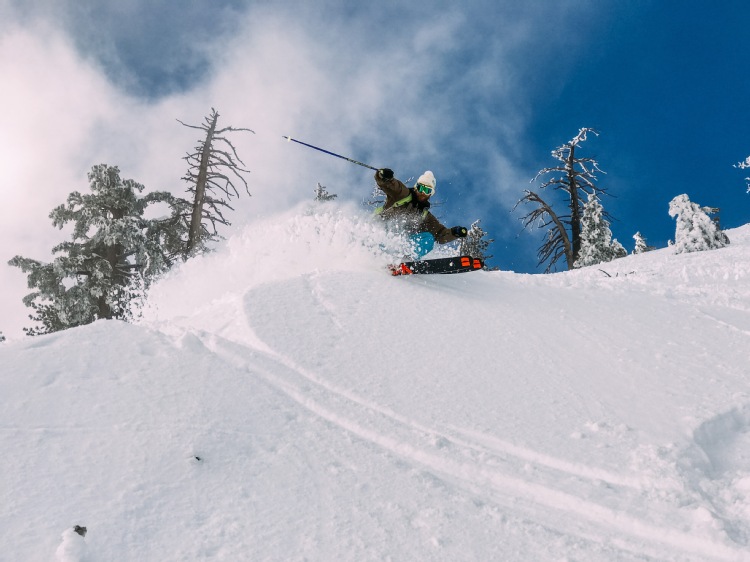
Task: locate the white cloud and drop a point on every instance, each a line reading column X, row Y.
column 51, row 103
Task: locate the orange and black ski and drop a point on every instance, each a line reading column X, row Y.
column 459, row 264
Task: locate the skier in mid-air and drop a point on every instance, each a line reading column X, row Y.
column 408, row 208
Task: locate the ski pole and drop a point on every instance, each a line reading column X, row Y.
column 331, row 153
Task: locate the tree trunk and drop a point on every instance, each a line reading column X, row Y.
column 112, row 255
column 575, row 215
column 196, row 218
column 105, row 311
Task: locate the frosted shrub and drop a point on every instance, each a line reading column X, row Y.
column 597, row 245
column 696, row 231
column 641, row 245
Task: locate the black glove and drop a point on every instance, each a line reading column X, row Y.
column 385, row 174
column 459, row 231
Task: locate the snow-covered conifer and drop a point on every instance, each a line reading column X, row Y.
column 745, row 165
column 321, row 194
column 111, row 259
column 597, row 245
column 695, row 231
column 618, row 250
column 475, row 244
column 641, row 245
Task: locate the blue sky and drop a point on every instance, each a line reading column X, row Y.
column 479, row 92
column 663, row 85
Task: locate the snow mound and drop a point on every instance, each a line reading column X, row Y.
column 714, row 280
column 307, row 239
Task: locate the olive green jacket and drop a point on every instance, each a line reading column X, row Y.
column 403, row 208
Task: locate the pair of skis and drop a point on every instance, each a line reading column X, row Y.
column 458, row 264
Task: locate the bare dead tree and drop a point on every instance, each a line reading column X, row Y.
column 556, row 242
column 214, row 167
column 575, row 177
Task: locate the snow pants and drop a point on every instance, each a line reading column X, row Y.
column 421, row 244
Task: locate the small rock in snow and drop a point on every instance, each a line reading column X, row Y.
column 73, row 547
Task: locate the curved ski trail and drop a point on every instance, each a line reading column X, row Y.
column 512, row 476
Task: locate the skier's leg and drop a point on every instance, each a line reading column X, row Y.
column 422, row 244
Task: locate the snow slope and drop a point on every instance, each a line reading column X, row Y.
column 286, row 399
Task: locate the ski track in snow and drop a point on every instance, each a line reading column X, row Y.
column 519, row 478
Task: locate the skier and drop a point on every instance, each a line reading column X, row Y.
column 409, row 209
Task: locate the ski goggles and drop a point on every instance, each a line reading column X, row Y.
column 425, row 189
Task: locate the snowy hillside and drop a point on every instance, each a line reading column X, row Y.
column 286, row 399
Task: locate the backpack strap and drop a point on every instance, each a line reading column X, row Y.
column 400, row 203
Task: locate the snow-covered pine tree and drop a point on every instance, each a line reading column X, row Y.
column 641, row 245
column 695, row 230
column 744, row 165
column 618, row 250
column 2, row 337
column 475, row 244
column 111, row 260
column 597, row 245
column 321, row 194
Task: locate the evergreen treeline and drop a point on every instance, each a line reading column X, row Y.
column 580, row 233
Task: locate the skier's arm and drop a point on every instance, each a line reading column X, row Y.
column 390, row 185
column 443, row 234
